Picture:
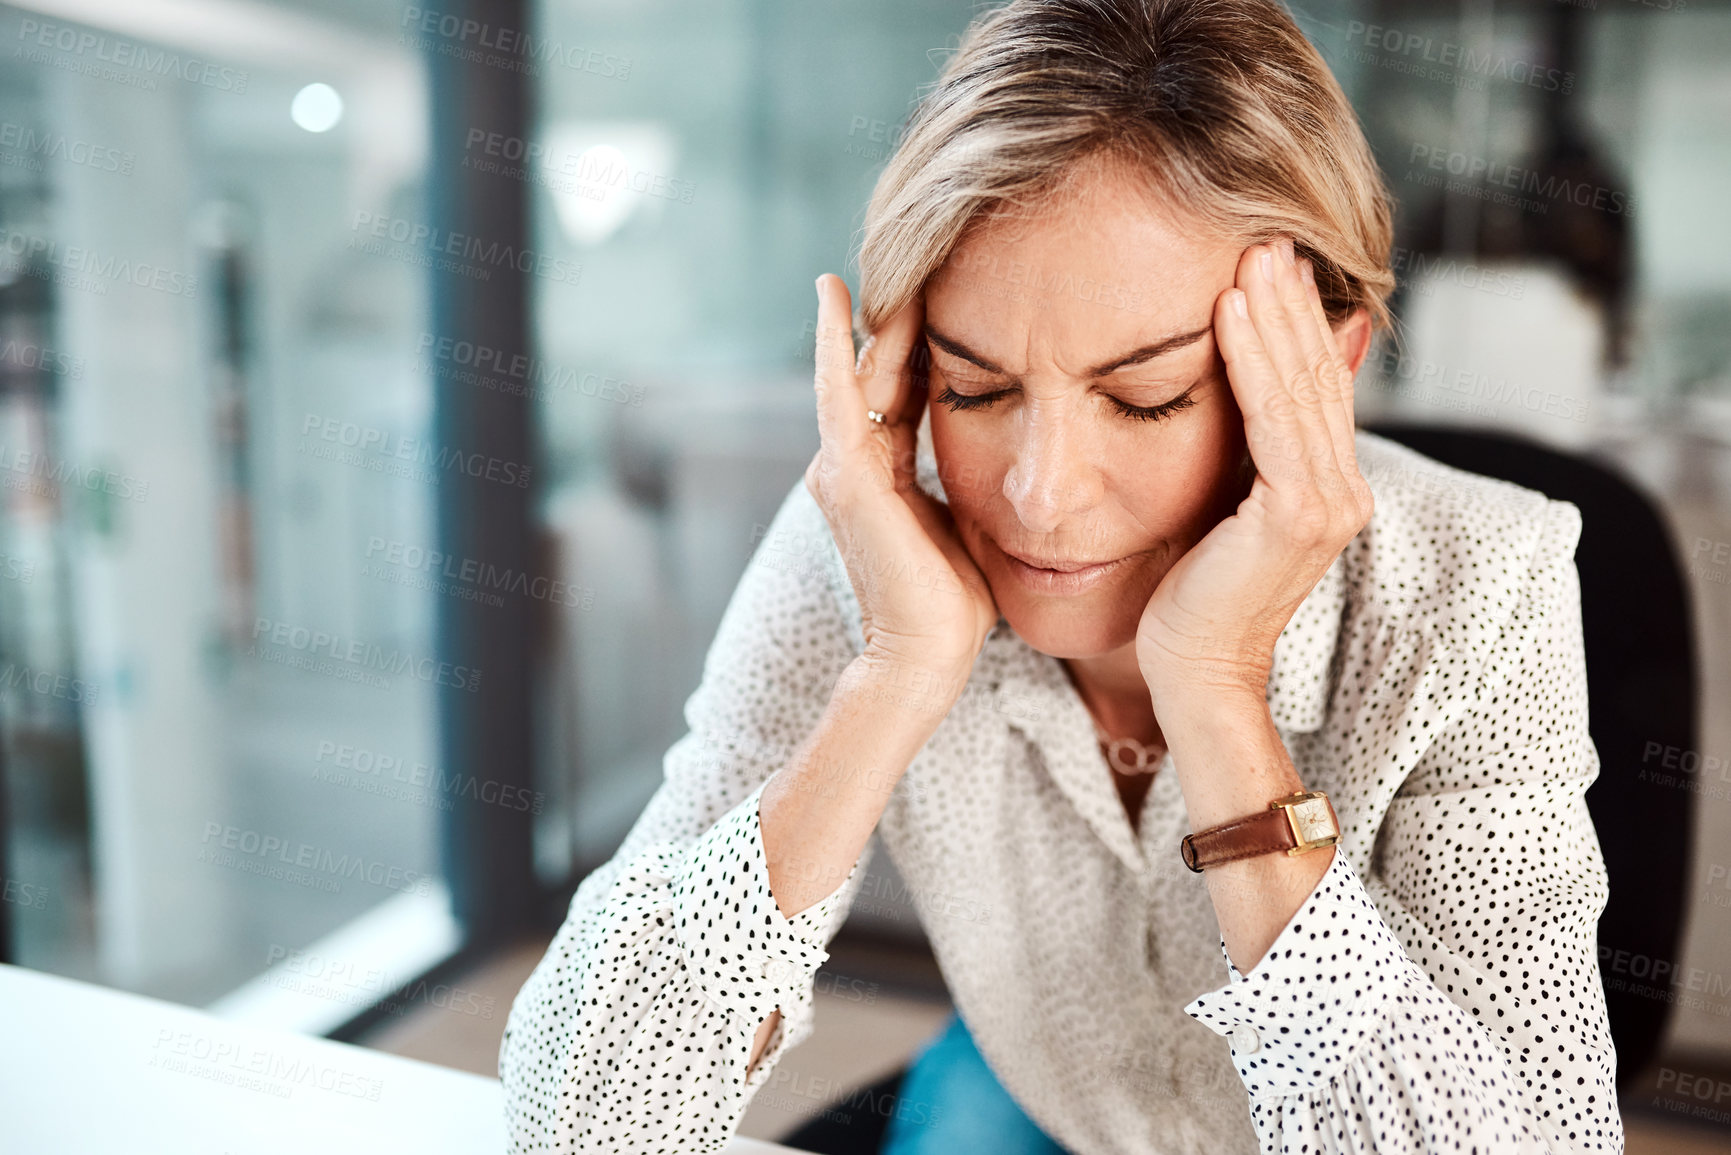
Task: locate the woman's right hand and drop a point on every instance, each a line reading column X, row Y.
column 923, row 602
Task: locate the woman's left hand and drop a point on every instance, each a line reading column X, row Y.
column 1212, row 623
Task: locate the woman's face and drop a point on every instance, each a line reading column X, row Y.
column 1080, row 412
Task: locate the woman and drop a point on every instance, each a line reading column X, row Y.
column 1145, row 580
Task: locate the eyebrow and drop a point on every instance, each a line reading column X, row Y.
column 1134, row 357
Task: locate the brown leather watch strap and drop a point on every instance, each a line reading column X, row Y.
column 1264, row 833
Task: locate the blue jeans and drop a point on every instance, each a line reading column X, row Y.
column 950, row 1101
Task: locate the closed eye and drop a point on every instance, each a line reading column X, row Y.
column 958, row 402
column 1154, row 412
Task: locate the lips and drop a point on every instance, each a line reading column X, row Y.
column 1059, row 577
column 1055, row 565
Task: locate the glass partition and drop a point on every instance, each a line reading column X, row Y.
column 216, row 656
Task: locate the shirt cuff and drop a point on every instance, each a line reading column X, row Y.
column 743, row 953
column 1316, row 997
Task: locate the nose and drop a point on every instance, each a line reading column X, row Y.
column 1055, row 476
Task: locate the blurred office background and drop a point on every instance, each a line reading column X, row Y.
column 249, row 438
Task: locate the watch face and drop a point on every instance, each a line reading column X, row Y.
column 1313, row 819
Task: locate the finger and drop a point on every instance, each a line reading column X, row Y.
column 1270, row 416
column 884, row 372
column 841, row 417
column 1345, row 380
column 1317, row 347
column 1321, row 366
column 892, row 376
column 1281, row 314
column 1266, row 284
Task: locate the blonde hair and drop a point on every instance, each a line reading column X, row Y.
column 1222, row 106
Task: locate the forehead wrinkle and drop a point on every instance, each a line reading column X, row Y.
column 1133, row 353
column 1049, row 319
column 1167, row 347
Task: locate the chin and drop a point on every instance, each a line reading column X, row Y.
column 1073, row 628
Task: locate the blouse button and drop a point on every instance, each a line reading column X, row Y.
column 777, row 970
column 1245, row 1040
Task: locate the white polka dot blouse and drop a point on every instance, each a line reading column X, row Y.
column 1438, row 991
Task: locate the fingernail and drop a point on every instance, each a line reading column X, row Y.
column 1238, row 305
column 819, row 283
column 1306, row 272
column 1267, row 261
column 1286, row 249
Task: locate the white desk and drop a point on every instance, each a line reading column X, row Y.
column 85, row 1070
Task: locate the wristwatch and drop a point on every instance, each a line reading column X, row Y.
column 1297, row 823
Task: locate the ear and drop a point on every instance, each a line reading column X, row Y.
column 1353, row 337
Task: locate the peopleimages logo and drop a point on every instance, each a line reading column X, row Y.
column 362, row 655
column 485, row 577
column 59, row 146
column 23, row 894
column 381, row 447
column 20, row 250
column 372, row 772
column 480, row 364
column 24, row 464
column 584, row 173
column 1661, row 973
column 91, row 48
column 258, row 852
column 485, row 255
column 1456, row 60
column 30, row 355
column 1479, row 173
column 342, row 980
column 1425, row 270
column 244, row 1066
column 467, row 38
column 47, row 683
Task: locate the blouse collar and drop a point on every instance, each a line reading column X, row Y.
column 1035, row 696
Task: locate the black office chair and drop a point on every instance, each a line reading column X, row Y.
column 1641, row 674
